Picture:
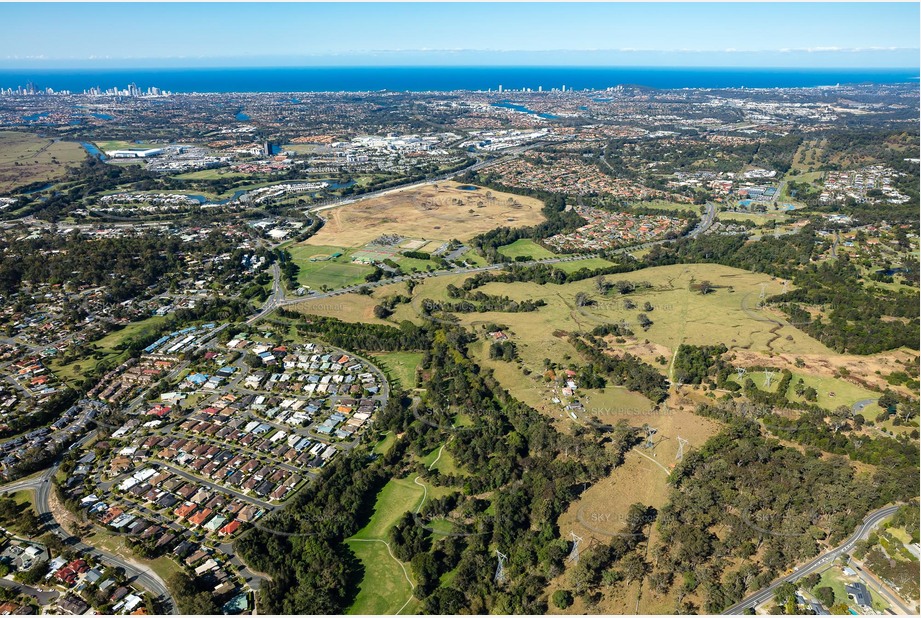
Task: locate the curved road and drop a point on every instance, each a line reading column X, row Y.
column 41, row 486
column 816, row 564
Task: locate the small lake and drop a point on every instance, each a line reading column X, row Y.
column 201, row 199
column 34, row 117
column 93, row 151
column 522, row 108
column 242, row 117
column 102, row 116
column 467, row 188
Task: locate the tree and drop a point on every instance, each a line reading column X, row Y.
column 644, row 321
column 562, row 599
column 381, row 312
column 825, row 595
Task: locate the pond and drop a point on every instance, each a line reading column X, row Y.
column 93, row 151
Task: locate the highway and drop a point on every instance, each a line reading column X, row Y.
column 274, row 300
column 816, row 564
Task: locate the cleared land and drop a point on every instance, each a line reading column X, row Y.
column 318, row 268
column 26, row 158
column 526, row 248
column 426, row 212
column 400, row 366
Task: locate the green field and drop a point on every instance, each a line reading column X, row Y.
column 444, row 462
column 112, row 340
column 386, row 442
column 590, row 263
column 26, row 158
column 408, row 264
column 527, row 248
column 115, row 144
column 212, row 174
column 400, row 367
column 384, row 589
column 759, row 218
column 680, row 314
column 834, row 392
column 335, row 273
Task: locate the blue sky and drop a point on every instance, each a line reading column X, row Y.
column 248, row 34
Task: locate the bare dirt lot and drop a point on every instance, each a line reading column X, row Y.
column 434, row 211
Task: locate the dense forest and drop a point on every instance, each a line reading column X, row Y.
column 127, row 267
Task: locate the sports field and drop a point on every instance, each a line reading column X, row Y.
column 318, row 268
column 26, row 158
column 431, row 211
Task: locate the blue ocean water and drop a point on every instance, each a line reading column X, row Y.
column 355, row 79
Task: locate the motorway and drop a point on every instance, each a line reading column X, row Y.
column 818, row 563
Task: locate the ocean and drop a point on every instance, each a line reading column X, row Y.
column 420, row 79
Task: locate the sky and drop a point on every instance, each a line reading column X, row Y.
column 109, row 35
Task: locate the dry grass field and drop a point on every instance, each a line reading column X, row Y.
column 27, row 158
column 433, row 211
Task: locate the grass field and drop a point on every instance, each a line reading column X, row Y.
column 384, row 445
column 833, row 392
column 445, row 463
column 112, row 340
column 385, row 587
column 426, row 212
column 590, row 263
column 527, row 248
column 759, row 218
column 116, row 144
column 212, row 174
column 26, row 158
column 333, row 273
column 400, row 366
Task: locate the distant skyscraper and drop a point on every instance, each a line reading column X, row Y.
column 500, row 87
